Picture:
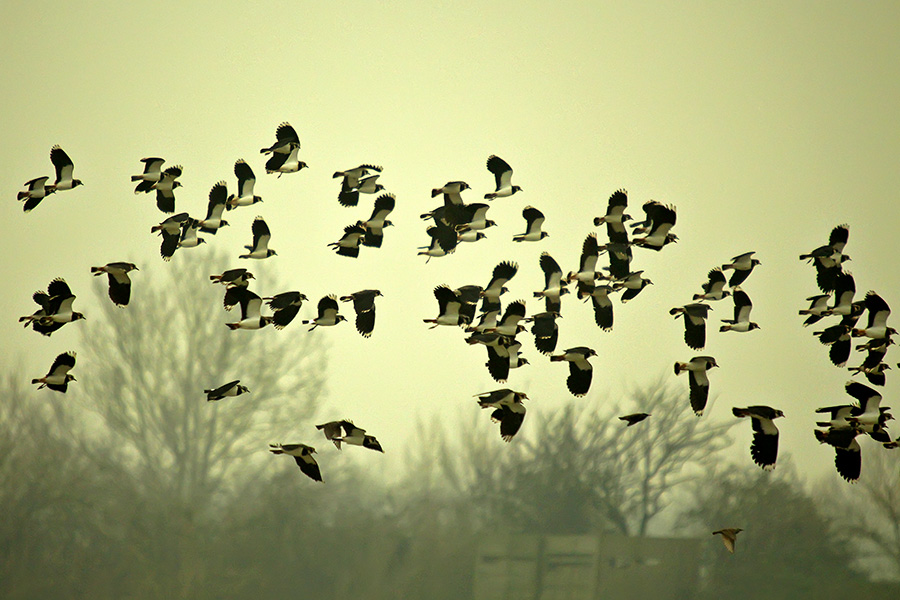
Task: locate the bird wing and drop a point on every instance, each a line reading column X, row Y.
column 261, row 235
column 534, row 219
column 552, row 272
column 250, row 305
column 327, row 306
column 501, row 170
column 62, row 364
column 62, row 163
column 217, row 197
column 246, row 178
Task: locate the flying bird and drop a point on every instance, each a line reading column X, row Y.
column 878, row 312
column 349, row 243
column 233, row 277
column 694, row 315
column 764, row 448
column 615, row 211
column 250, row 312
column 119, row 282
column 152, row 173
column 64, row 167
column 545, row 331
column 230, row 389
column 533, row 221
column 818, row 308
column 742, row 306
column 327, row 313
column 285, row 163
column 261, row 236
column 58, row 377
column 352, row 177
column 829, row 258
column 285, row 306
column 742, row 265
column 303, row 455
column 699, row 382
column 554, row 286
column 355, row 436
column 634, row 418
column 55, row 308
column 246, row 183
column 286, row 140
column 661, row 220
column 349, row 196
column 714, row 288
column 449, row 306
column 37, row 191
column 364, row 306
column 847, row 454
column 580, row 370
column 496, row 287
column 165, row 189
column 374, row 227
column 502, row 178
column 729, row 536
column 508, row 410
column 218, row 196
column 633, row 284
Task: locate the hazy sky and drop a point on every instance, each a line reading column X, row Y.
column 765, row 123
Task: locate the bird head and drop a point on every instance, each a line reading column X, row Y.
column 77, row 315
column 516, row 188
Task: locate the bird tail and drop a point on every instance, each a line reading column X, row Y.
column 820, row 435
column 97, row 271
column 490, row 196
column 136, row 177
column 518, row 238
column 435, row 192
column 679, row 367
column 557, row 358
column 36, row 381
column 233, row 326
column 275, row 449
column 739, row 412
column 22, row 195
column 598, row 221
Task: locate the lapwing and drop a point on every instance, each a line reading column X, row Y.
column 615, row 210
column 742, row 307
column 694, row 315
column 375, row 225
column 829, row 258
column 303, row 455
column 58, row 377
column 261, row 236
column 285, row 307
column 502, row 172
column 878, row 312
column 251, row 304
column 632, row 284
column 714, row 288
column 554, row 286
column 165, row 189
column 545, row 331
column 818, row 308
column 508, row 410
column 152, row 173
column 580, row 370
column 534, row 219
column 119, row 282
column 232, row 388
column 285, row 163
column 501, row 274
column 218, row 196
column 55, row 308
column 349, row 196
column 633, row 418
column 37, row 191
column 764, row 448
column 364, row 306
column 729, row 536
column 286, row 140
column 847, row 455
column 449, row 306
column 327, row 313
column 699, row 382
column 742, row 265
column 64, row 167
column 349, row 243
column 661, row 218
column 246, row 183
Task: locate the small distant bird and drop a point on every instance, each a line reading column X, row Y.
column 170, row 231
column 878, row 313
column 764, row 449
column 286, row 140
column 587, row 265
column 261, row 236
column 119, row 282
column 661, row 220
column 285, row 306
column 452, row 192
column 374, row 227
column 165, row 189
column 152, row 173
column 634, row 418
column 714, row 288
column 250, row 309
column 285, row 163
column 742, row 306
column 508, row 410
column 554, row 286
column 303, row 455
column 502, row 178
column 838, row 337
column 246, row 183
column 533, row 221
column 55, row 308
column 496, row 287
column 829, row 258
column 847, row 454
column 580, row 370
column 699, row 382
column 844, row 291
column 615, row 210
column 695, row 315
column 64, row 167
column 332, row 431
column 232, row 388
column 818, row 308
column 349, row 243
column 545, row 331
column 327, row 313
column 351, row 177
column 218, row 196
column 476, row 216
column 189, row 238
column 349, row 196
column 58, row 377
column 355, row 436
column 603, row 306
column 37, row 191
column 444, row 240
column 364, row 306
column 233, row 277
column 633, row 284
column 449, row 306
column 742, row 265
column 729, row 536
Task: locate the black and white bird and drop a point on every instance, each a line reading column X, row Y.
column 603, row 306
column 332, row 431
column 661, row 220
column 729, row 537
column 58, row 377
column 742, row 265
column 633, row 284
column 829, row 258
column 509, row 325
column 251, row 304
column 764, row 448
column 364, row 306
column 818, row 308
column 587, row 266
column 487, row 320
column 55, row 308
column 444, row 240
column 554, row 286
column 349, row 196
column 303, row 455
column 615, row 210
column 152, row 173
column 714, row 288
column 261, row 236
column 868, row 411
column 449, row 306
column 165, row 189
column 545, row 331
column 699, row 382
column 286, row 140
column 375, row 225
column 580, row 370
column 839, row 338
column 503, row 356
column 246, row 183
column 119, row 282
column 695, row 315
column 37, row 191
column 285, row 307
column 352, row 177
column 844, row 291
column 634, row 418
column 170, row 231
column 285, row 163
column 742, row 307
column 534, row 219
column 496, row 287
column 218, row 196
column 356, row 436
column 878, row 312
column 327, row 313
column 349, row 243
column 464, row 234
column 64, row 168
column 873, row 366
column 508, row 410
column 847, row 452
column 452, row 191
column 233, row 277
column 232, row 388
column 189, row 238
column 476, row 216
column 468, row 297
column 503, row 186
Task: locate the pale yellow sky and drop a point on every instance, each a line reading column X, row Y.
column 765, row 123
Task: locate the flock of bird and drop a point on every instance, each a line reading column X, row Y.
column 455, row 223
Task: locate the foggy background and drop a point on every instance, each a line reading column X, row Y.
column 765, row 125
